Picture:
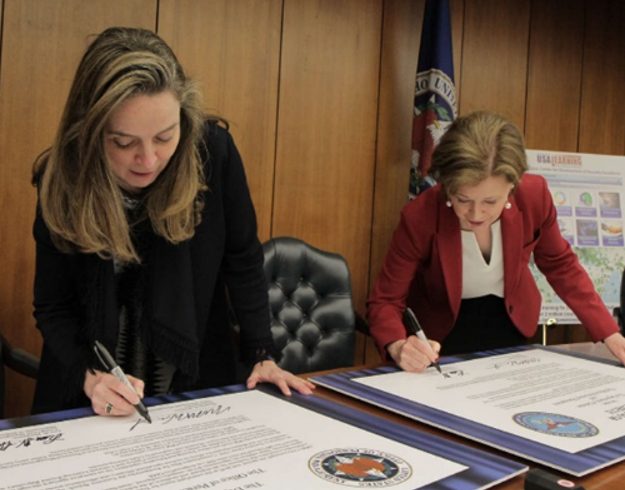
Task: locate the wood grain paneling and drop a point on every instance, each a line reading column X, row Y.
column 494, row 64
column 400, row 49
column 602, row 117
column 327, row 128
column 233, row 49
column 403, row 20
column 319, row 96
column 41, row 46
column 402, row 33
column 457, row 35
column 555, row 75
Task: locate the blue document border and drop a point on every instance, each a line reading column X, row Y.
column 483, row 470
column 578, row 464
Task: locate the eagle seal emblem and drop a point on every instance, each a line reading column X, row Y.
column 353, row 467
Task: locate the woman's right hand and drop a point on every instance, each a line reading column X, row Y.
column 104, row 389
column 412, row 354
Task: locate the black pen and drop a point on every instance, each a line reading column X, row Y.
column 413, row 324
column 109, row 363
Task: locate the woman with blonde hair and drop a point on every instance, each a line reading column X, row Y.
column 144, row 221
column 459, row 257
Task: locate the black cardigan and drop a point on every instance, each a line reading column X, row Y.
column 185, row 302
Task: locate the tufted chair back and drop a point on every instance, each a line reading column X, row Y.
column 312, row 313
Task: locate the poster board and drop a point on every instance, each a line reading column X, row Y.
column 589, row 194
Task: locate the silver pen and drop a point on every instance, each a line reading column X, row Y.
column 111, row 366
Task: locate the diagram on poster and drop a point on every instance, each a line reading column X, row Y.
column 588, row 192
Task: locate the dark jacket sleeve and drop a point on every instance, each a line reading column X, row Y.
column 242, row 266
column 58, row 314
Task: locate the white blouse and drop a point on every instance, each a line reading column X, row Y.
column 480, row 278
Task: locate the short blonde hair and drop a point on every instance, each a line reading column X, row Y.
column 477, row 146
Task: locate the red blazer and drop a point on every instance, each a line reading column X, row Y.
column 423, row 268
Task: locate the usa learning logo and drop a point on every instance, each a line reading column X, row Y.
column 555, row 424
column 358, row 467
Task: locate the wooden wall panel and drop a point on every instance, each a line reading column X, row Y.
column 319, row 96
column 233, row 49
column 494, row 64
column 400, row 50
column 327, row 128
column 457, row 35
column 555, row 75
column 602, row 117
column 403, row 20
column 41, row 46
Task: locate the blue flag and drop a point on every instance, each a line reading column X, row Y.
column 435, row 92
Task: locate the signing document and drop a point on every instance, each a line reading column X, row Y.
column 558, row 400
column 538, row 403
column 243, row 440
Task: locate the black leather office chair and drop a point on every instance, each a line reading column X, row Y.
column 17, row 360
column 312, row 314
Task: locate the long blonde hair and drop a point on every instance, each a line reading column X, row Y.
column 80, row 200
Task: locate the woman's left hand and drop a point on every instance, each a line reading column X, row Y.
column 269, row 372
column 616, row 344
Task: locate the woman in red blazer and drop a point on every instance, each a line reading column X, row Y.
column 459, row 257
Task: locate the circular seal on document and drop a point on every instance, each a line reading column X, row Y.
column 351, row 467
column 555, row 424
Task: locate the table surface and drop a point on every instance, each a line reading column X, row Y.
column 610, row 478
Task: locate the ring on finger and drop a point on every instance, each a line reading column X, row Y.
column 109, row 408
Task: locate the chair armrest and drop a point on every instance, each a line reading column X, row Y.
column 19, row 360
column 362, row 325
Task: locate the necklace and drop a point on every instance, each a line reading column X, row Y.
column 130, row 201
